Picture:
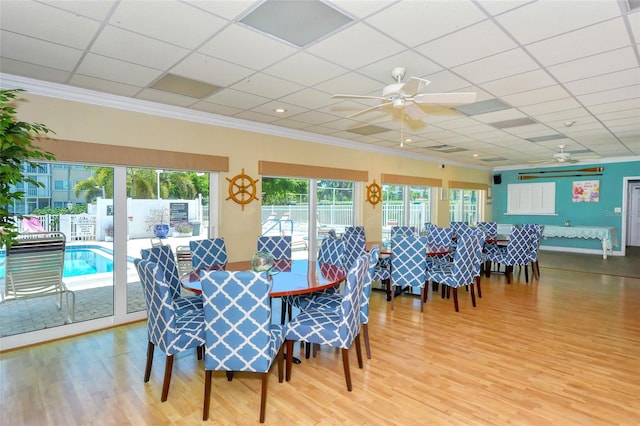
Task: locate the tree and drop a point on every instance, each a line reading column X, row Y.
column 17, row 150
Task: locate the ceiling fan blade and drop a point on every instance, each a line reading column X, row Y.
column 414, row 111
column 413, row 86
column 446, row 98
column 382, row 105
column 357, row 97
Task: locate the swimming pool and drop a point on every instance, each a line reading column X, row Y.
column 81, row 260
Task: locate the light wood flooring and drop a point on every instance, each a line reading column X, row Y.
column 564, row 350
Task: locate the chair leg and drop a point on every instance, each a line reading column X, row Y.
column 199, row 352
column 487, row 269
column 359, row 351
column 365, row 332
column 263, row 395
column 478, row 285
column 422, row 294
column 387, row 284
column 508, row 272
column 444, row 290
column 345, row 363
column 289, row 344
column 473, row 295
column 147, row 370
column 280, row 364
column 207, row 394
column 455, row 298
column 526, row 273
column 283, row 312
column 393, row 295
column 229, row 375
column 167, row 378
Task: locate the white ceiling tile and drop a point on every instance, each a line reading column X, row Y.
column 634, row 21
column 569, row 114
column 169, row 21
column 314, row 117
column 101, row 85
column 493, row 67
column 614, row 80
column 614, row 106
column 505, row 114
column 216, row 108
column 210, row 70
column 305, row 69
column 578, row 44
column 415, row 65
column 165, row 97
column 415, row 22
column 557, row 105
column 631, row 112
column 232, row 9
column 236, row 99
column 355, row 46
column 469, row 44
column 613, row 95
column 497, row 7
column 27, row 49
column 118, row 71
column 131, row 47
column 445, row 81
column 519, row 83
column 551, row 18
column 267, row 85
column 361, row 9
column 47, row 23
column 258, row 51
column 536, row 96
column 256, row 116
column 351, row 83
column 9, row 66
column 98, row 10
column 311, row 98
column 602, row 63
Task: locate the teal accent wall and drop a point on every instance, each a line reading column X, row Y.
column 601, row 213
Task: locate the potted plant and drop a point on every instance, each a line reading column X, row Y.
column 17, row 151
column 108, row 233
column 182, row 229
column 158, row 222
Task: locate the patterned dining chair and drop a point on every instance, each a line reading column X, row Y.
column 517, row 252
column 169, row 331
column 331, row 302
column 354, row 245
column 409, row 265
column 163, row 256
column 461, row 272
column 354, row 229
column 478, row 234
column 338, row 328
column 209, row 253
column 399, row 231
column 280, row 248
column 535, row 233
column 239, row 335
column 277, row 246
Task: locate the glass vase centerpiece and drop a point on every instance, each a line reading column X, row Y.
column 262, row 262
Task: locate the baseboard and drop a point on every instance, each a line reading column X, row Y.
column 580, row 250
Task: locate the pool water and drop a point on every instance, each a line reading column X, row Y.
column 80, row 261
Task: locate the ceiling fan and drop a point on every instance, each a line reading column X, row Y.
column 406, row 95
column 560, row 157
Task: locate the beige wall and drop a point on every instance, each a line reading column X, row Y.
column 75, row 121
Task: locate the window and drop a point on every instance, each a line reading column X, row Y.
column 463, row 205
column 531, row 198
column 61, row 185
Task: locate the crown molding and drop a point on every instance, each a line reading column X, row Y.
column 92, row 97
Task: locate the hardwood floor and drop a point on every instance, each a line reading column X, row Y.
column 561, row 351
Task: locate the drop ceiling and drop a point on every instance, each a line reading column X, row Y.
column 546, row 73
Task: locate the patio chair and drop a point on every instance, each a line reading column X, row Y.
column 33, row 268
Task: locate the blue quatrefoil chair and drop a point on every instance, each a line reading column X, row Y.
column 354, row 246
column 338, row 328
column 517, row 252
column 239, row 335
column 331, row 302
column 163, row 256
column 408, row 265
column 535, row 233
column 403, row 231
column 462, row 270
column 280, row 248
column 169, row 331
column 210, row 253
column 354, row 229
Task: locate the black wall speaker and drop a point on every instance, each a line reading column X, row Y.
column 497, row 179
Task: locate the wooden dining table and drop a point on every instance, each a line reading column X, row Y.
column 288, row 277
